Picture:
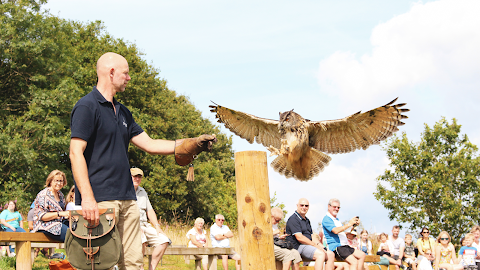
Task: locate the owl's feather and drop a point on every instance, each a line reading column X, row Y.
column 299, row 143
column 357, row 131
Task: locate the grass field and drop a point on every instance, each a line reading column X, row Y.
column 176, row 232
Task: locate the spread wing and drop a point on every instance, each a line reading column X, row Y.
column 249, row 127
column 359, row 130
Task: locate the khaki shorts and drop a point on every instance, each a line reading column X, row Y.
column 150, row 235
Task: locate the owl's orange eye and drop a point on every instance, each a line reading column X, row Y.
column 286, row 119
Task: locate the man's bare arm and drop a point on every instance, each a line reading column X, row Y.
column 304, row 240
column 154, row 147
column 80, row 174
column 153, row 219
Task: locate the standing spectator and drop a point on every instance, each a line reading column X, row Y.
column 398, row 246
column 285, row 255
column 299, row 231
column 446, row 257
column 424, row 243
column 468, row 253
column 198, row 239
column 152, row 235
column 476, row 242
column 49, row 216
column 336, row 238
column 219, row 235
column 102, row 129
column 409, row 255
column 364, row 244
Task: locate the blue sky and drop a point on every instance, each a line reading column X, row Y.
column 325, row 59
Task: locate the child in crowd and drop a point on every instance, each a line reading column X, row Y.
column 409, row 253
column 352, row 239
column 467, row 253
column 425, row 264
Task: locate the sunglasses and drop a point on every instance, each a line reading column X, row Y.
column 219, row 219
column 445, row 238
column 303, row 205
column 335, row 207
column 425, row 232
column 428, row 253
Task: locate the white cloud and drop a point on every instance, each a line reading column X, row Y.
column 435, row 44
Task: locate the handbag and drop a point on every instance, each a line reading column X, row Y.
column 60, row 265
column 282, row 243
column 93, row 247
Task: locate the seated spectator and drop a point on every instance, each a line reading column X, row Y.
column 198, row 238
column 219, row 235
column 385, row 249
column 398, row 245
column 468, row 253
column 364, row 244
column 152, row 235
column 10, row 220
column 424, row 243
column 425, row 263
column 70, row 200
column 352, row 239
column 336, row 237
column 409, row 255
column 49, row 217
column 476, row 242
column 284, row 255
column 299, row 231
column 446, row 257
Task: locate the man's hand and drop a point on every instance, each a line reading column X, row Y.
column 187, row 149
column 283, row 236
column 353, row 221
column 90, row 211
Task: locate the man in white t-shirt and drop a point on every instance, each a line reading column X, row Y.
column 398, row 245
column 219, row 235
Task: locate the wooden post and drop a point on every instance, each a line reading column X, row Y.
column 254, row 216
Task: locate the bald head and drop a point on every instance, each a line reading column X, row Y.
column 112, row 72
column 302, row 206
column 107, row 61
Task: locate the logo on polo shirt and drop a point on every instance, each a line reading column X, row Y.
column 125, row 123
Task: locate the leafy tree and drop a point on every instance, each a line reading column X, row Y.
column 434, row 182
column 46, row 65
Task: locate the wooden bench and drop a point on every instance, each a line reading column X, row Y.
column 368, row 258
column 189, row 253
column 23, row 246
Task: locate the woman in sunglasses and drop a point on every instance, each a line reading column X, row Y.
column 424, row 243
column 445, row 253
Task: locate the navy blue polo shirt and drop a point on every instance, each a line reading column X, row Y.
column 107, row 135
column 297, row 224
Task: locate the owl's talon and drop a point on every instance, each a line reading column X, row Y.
column 273, row 151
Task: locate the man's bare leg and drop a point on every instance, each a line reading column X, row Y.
column 319, row 258
column 157, row 255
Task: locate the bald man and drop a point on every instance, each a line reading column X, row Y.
column 102, row 129
column 299, row 231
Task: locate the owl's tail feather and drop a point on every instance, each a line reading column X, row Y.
column 304, row 169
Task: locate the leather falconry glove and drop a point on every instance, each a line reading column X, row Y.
column 188, row 149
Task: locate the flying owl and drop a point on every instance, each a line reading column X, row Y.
column 301, row 144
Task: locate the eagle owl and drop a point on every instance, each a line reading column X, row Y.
column 301, row 145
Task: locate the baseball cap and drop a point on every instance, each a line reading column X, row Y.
column 136, row 171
